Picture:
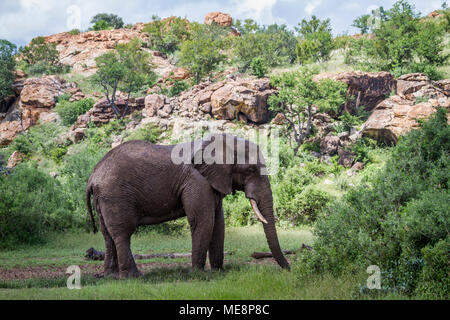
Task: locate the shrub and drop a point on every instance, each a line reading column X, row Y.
column 75, row 174
column 202, row 52
column 148, row 133
column 40, row 139
column 434, row 282
column 167, row 35
column 31, row 205
column 275, row 44
column 309, row 203
column 74, row 32
column 69, row 111
column 177, row 88
column 258, row 67
column 390, row 218
column 101, row 25
column 42, row 58
column 402, row 43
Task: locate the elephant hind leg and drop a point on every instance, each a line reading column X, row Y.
column 120, row 223
column 111, row 264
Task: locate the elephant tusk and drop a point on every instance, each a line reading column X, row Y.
column 257, row 212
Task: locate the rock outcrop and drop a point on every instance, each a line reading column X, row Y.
column 397, row 115
column 15, row 158
column 79, row 51
column 364, row 88
column 37, row 97
column 219, row 18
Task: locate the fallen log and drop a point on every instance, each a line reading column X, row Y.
column 92, row 254
column 263, row 255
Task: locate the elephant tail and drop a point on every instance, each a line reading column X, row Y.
column 89, row 206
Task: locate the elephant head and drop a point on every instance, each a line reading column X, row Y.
column 229, row 164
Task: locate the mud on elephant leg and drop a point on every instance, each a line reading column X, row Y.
column 111, row 264
column 217, row 240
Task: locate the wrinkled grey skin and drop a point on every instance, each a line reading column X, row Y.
column 137, row 183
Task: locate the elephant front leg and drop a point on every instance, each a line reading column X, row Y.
column 217, row 240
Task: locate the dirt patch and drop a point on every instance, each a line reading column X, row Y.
column 52, row 272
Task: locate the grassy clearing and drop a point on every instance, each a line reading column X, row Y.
column 69, row 248
column 243, row 278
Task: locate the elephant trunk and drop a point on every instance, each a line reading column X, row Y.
column 266, row 208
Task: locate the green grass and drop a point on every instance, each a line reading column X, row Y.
column 69, row 248
column 243, row 277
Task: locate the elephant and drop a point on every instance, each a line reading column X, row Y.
column 139, row 183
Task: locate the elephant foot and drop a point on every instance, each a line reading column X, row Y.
column 130, row 274
column 111, row 274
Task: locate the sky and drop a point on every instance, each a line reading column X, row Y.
column 22, row 20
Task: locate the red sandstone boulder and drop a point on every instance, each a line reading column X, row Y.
column 366, row 88
column 219, row 18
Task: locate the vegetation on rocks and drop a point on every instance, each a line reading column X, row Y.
column 361, row 199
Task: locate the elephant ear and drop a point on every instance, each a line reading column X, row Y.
column 218, row 175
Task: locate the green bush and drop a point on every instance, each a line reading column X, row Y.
column 41, row 58
column 403, row 43
column 177, row 88
column 32, row 204
column 167, row 35
column 434, row 282
column 74, row 32
column 148, row 133
column 75, row 174
column 41, row 139
column 275, row 44
column 259, row 67
column 390, row 218
column 69, row 111
column 101, row 25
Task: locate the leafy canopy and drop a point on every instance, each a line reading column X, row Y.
column 128, row 69
column 202, row 53
column 111, row 20
column 7, row 66
column 297, row 93
column 316, row 41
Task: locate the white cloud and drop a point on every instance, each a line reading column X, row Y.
column 259, row 10
column 311, row 6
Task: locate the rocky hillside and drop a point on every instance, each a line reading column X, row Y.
column 394, row 104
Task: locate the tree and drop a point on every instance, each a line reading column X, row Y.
column 167, row 35
column 362, row 23
column 402, row 43
column 319, row 32
column 202, row 53
column 7, row 66
column 274, row 43
column 297, row 94
column 101, row 25
column 128, row 69
column 112, row 20
column 41, row 57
